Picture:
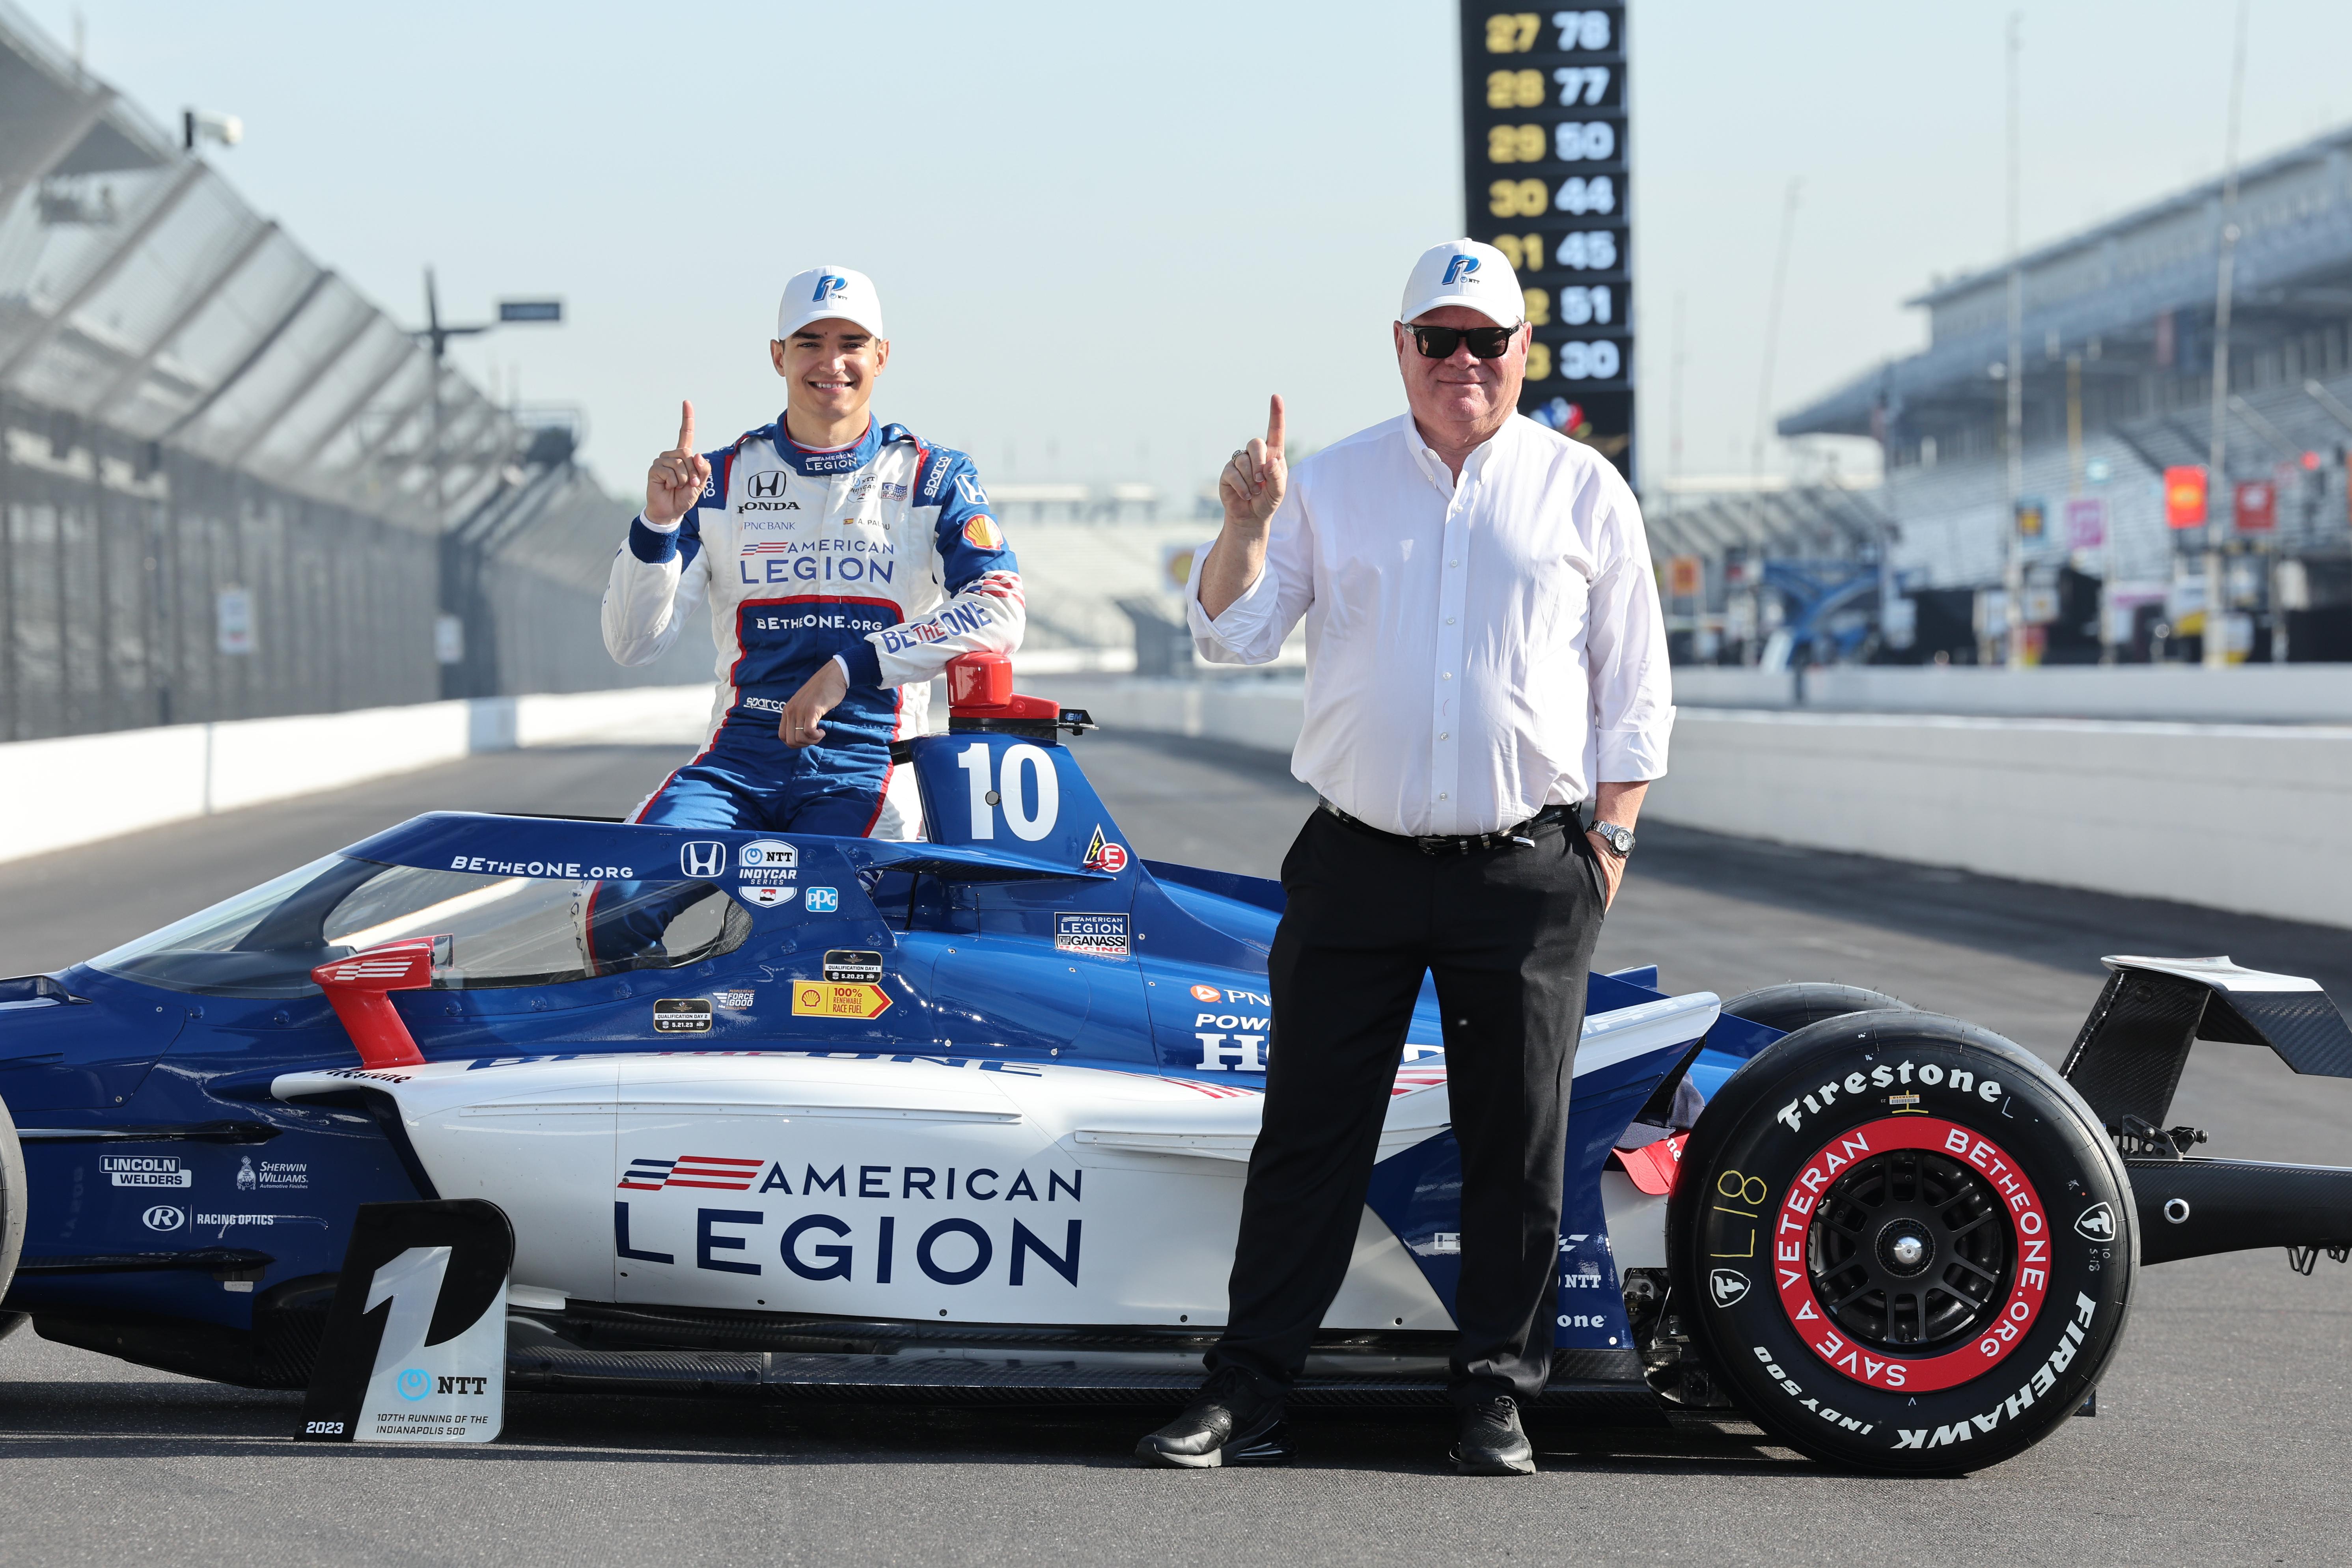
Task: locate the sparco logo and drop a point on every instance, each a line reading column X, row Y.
column 767, row 485
column 702, row 858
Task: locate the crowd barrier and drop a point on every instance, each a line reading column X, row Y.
column 76, row 789
column 2246, row 693
column 2251, row 817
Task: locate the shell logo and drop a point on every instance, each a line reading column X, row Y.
column 982, row 533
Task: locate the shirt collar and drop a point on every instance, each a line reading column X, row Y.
column 1433, row 467
column 848, row 459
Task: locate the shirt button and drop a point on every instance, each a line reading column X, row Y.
column 1447, row 676
column 1449, row 620
column 1442, row 735
column 1441, row 795
column 1454, row 564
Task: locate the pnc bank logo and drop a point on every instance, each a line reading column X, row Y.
column 827, row 286
column 1458, row 268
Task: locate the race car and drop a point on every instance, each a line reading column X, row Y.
column 969, row 1120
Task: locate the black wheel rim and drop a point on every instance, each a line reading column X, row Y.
column 1910, row 1251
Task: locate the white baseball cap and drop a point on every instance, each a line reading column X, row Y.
column 1463, row 272
column 829, row 293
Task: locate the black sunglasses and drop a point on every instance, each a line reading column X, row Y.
column 1439, row 342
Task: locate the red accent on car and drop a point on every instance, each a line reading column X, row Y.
column 980, row 686
column 1651, row 1167
column 356, row 988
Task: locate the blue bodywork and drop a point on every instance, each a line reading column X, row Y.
column 167, row 1184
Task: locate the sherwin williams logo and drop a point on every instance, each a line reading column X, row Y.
column 827, row 286
column 1460, row 267
column 415, row 1383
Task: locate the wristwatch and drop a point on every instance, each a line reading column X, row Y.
column 1619, row 839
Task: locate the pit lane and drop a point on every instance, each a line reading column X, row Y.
column 2224, row 1429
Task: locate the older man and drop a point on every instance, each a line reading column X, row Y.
column 1486, row 663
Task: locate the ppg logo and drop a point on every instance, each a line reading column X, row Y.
column 766, row 487
column 1458, row 268
column 165, row 1216
column 415, row 1383
column 827, row 286
column 702, row 858
column 823, row 900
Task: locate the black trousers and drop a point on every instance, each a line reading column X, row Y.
column 1508, row 934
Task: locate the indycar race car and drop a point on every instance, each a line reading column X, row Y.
column 969, row 1120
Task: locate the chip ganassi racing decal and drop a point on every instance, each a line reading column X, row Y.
column 1794, row 1282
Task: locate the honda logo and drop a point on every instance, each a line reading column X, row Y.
column 766, row 487
column 702, row 858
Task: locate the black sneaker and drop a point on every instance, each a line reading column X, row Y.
column 1232, row 1421
column 1491, row 1441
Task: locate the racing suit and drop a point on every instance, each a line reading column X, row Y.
column 882, row 555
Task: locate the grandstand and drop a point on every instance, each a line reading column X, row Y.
column 2118, row 324
column 230, row 485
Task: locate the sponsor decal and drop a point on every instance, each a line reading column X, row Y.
column 1099, row 936
column 225, row 1220
column 1457, row 269
column 766, row 898
column 2018, row 1199
column 823, row 900
column 735, row 1001
column 712, row 1173
column 2039, row 1385
column 828, row 999
column 1886, row 1075
column 271, row 1173
column 1103, row 855
column 2097, row 1223
column 851, row 965
column 766, row 485
column 702, row 858
column 767, row 860
column 1232, row 1041
column 682, row 1016
column 980, row 532
column 415, row 1383
column 564, row 871
column 165, row 1216
column 1447, row 1242
column 892, row 490
column 1904, row 1104
column 1724, row 1286
column 968, row 487
column 146, row 1171
column 1207, row 993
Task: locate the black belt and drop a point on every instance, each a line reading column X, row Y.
column 1522, row 836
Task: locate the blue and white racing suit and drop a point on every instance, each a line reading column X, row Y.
column 882, row 554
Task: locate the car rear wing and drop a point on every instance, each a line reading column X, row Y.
column 2127, row 1061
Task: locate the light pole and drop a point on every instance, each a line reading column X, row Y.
column 2012, row 577
column 2217, row 521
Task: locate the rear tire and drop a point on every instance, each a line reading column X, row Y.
column 1906, row 1244
column 1793, row 1005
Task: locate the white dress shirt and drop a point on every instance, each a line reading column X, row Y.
column 1476, row 651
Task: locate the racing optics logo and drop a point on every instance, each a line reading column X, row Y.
column 165, row 1216
column 702, row 858
column 1725, row 1285
column 827, row 286
column 1458, row 269
column 2097, row 1224
column 710, row 1172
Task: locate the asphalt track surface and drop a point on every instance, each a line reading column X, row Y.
column 2224, row 1434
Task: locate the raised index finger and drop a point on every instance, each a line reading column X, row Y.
column 1273, row 426
column 686, row 427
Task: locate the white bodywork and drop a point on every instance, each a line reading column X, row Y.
column 910, row 1186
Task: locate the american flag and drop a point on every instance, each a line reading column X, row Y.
column 713, row 1172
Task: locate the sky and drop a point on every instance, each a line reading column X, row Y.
column 1103, row 234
